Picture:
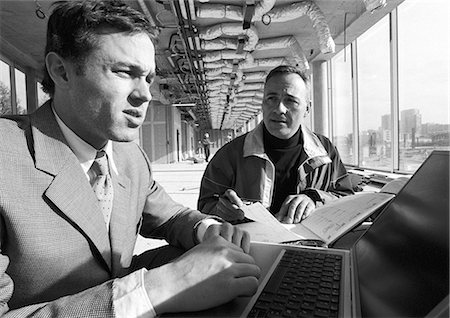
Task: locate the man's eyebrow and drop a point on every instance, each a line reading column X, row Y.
column 133, row 67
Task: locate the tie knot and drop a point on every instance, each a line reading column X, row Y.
column 101, row 163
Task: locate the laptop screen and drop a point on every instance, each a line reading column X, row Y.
column 403, row 259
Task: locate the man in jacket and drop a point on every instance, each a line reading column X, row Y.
column 75, row 191
column 281, row 163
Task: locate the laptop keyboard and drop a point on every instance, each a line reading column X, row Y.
column 304, row 284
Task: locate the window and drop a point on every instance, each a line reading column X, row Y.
column 342, row 110
column 408, row 53
column 423, row 66
column 42, row 96
column 5, row 89
column 21, row 92
column 374, row 99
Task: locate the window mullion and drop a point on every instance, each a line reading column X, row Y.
column 354, row 72
column 395, row 135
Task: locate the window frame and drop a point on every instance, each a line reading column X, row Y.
column 394, row 84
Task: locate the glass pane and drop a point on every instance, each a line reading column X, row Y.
column 21, row 92
column 5, row 89
column 423, row 79
column 42, row 96
column 342, row 112
column 374, row 97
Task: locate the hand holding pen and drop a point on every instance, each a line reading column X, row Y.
column 229, row 206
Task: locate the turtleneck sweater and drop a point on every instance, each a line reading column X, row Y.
column 286, row 155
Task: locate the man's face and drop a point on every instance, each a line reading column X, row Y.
column 110, row 99
column 284, row 105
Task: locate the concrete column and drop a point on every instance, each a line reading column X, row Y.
column 32, row 95
column 320, row 98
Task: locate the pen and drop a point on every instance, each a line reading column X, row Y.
column 245, row 201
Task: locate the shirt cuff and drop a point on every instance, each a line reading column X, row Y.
column 202, row 226
column 130, row 299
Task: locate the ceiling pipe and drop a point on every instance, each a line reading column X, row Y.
column 267, row 62
column 372, row 5
column 230, row 29
column 225, row 55
column 309, row 8
column 231, row 12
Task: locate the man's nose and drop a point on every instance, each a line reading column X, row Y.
column 281, row 108
column 141, row 91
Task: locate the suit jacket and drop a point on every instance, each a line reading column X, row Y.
column 57, row 257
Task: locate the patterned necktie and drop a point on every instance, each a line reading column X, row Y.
column 102, row 185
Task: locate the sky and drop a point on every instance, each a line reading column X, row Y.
column 424, row 58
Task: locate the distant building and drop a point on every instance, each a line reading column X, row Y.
column 410, row 126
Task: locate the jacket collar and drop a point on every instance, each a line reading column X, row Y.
column 254, row 144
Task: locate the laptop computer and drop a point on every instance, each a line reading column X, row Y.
column 398, row 268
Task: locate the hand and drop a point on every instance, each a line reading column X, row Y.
column 229, row 206
column 230, row 233
column 210, row 274
column 295, row 208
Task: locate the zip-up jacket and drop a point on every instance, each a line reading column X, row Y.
column 244, row 166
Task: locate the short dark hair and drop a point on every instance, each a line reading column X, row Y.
column 287, row 69
column 74, row 26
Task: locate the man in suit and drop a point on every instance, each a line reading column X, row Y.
column 67, row 238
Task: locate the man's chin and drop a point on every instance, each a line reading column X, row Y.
column 281, row 133
column 126, row 136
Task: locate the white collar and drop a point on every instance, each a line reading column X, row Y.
column 82, row 150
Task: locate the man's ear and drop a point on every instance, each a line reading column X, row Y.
column 57, row 69
column 308, row 108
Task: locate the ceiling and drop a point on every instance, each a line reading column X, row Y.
column 212, row 56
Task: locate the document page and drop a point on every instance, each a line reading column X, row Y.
column 265, row 227
column 336, row 218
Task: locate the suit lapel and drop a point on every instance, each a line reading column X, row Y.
column 120, row 221
column 70, row 190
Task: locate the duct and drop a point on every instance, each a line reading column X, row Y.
column 299, row 9
column 217, row 100
column 217, row 71
column 233, row 12
column 217, row 64
column 216, row 83
column 225, row 55
column 220, row 11
column 249, row 107
column 220, row 73
column 268, row 63
column 232, row 29
column 221, row 88
column 217, row 93
column 251, row 76
column 372, row 5
column 257, row 94
column 248, row 100
column 219, row 44
column 288, row 42
column 251, row 87
column 222, row 94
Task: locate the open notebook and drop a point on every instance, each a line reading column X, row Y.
column 327, row 223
